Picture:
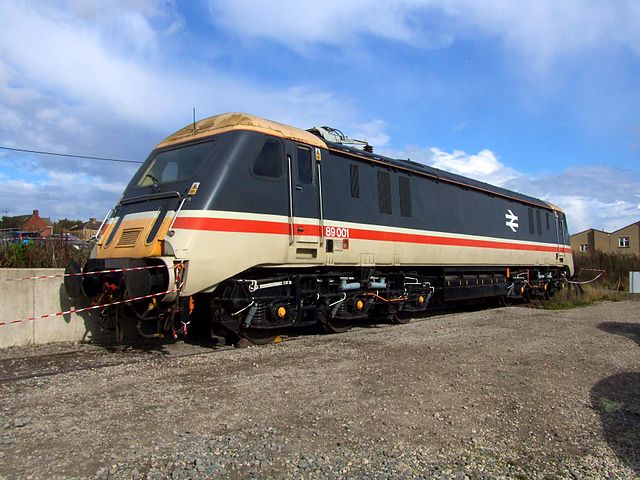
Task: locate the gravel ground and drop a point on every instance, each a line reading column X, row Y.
column 504, row 393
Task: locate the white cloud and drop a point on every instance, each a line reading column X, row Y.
column 595, row 196
column 373, row 132
column 585, row 212
column 483, row 166
column 91, row 78
column 300, row 24
column 93, row 75
column 60, row 195
column 541, row 31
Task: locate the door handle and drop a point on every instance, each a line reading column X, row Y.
column 298, row 187
column 300, row 229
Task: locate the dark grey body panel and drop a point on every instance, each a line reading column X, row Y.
column 436, row 205
column 440, row 201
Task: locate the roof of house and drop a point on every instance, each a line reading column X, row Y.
column 604, row 231
column 588, row 230
column 91, row 225
column 626, row 226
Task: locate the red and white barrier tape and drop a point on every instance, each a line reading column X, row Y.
column 60, row 275
column 78, row 310
column 574, row 282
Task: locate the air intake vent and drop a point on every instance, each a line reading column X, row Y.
column 129, row 237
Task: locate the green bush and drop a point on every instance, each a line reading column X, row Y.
column 50, row 254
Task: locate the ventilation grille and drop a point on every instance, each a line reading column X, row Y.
column 355, row 181
column 405, row 196
column 129, row 237
column 384, row 192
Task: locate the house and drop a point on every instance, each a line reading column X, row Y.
column 625, row 240
column 30, row 223
column 87, row 230
column 590, row 240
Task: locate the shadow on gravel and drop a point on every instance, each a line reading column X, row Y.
column 629, row 330
column 617, row 400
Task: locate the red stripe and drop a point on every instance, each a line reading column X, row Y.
column 447, row 241
column 231, row 225
column 280, row 228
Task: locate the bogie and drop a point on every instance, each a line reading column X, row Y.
column 258, row 308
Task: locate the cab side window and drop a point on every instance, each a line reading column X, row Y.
column 305, row 166
column 269, row 161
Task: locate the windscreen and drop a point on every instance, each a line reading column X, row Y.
column 175, row 165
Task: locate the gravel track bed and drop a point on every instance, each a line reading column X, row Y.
column 504, row 393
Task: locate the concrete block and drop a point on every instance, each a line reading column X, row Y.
column 24, row 299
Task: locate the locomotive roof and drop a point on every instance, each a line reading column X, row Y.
column 227, row 122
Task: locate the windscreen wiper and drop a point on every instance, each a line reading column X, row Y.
column 151, row 196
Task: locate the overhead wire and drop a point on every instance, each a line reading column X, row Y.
column 87, row 157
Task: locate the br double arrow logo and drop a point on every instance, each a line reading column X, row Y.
column 512, row 220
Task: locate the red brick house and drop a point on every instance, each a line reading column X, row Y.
column 33, row 223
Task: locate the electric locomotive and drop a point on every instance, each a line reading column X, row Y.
column 249, row 226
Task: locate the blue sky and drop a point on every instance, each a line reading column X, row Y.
column 541, row 97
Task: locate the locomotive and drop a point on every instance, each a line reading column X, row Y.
column 249, row 226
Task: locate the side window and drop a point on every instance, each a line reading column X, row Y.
column 384, row 192
column 547, row 216
column 405, row 196
column 563, row 228
column 531, row 226
column 305, row 166
column 354, row 177
column 539, row 222
column 269, row 161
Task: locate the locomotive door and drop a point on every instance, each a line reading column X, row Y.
column 560, row 229
column 305, row 202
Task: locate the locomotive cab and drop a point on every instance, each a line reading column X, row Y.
column 187, row 219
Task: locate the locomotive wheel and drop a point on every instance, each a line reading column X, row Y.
column 397, row 317
column 400, row 318
column 333, row 325
column 258, row 336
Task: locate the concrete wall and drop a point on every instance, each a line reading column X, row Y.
column 22, row 299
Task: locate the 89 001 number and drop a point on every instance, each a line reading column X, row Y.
column 336, row 232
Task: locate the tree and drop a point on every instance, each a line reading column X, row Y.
column 65, row 225
column 9, row 222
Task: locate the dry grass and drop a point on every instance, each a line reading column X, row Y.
column 616, row 267
column 573, row 297
column 611, row 287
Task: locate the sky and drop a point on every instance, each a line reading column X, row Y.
column 541, row 97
